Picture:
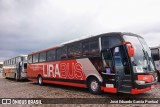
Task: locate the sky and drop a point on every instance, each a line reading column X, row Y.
column 30, row 25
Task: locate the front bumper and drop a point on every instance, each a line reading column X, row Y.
column 146, row 85
column 143, row 88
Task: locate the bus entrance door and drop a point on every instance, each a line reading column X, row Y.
column 108, row 74
column 122, row 71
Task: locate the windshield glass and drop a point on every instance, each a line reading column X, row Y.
column 142, row 61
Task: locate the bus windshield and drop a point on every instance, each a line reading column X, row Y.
column 142, row 61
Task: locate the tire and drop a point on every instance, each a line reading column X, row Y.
column 40, row 80
column 94, row 86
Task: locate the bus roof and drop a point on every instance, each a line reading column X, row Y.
column 131, row 34
column 88, row 37
column 155, row 47
column 55, row 47
column 100, row 35
column 16, row 57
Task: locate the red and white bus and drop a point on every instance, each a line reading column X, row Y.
column 110, row 62
column 15, row 67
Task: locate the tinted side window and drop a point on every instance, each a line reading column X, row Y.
column 90, row 48
column 109, row 42
column 85, row 49
column 61, row 53
column 113, row 41
column 94, row 47
column 30, row 59
column 155, row 54
column 35, row 58
column 74, row 50
column 51, row 55
column 42, row 57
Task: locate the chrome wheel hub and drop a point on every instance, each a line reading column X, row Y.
column 94, row 85
column 40, row 80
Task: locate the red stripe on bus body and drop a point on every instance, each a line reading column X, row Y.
column 137, row 91
column 65, row 83
column 111, row 90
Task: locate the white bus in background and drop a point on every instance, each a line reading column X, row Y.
column 1, row 65
column 15, row 67
column 156, row 58
column 0, row 70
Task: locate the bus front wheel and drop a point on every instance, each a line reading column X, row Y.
column 94, row 86
column 40, row 80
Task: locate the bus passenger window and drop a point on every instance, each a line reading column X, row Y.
column 90, row 48
column 74, row 51
column 51, row 55
column 113, row 41
column 35, row 58
column 94, row 48
column 62, row 53
column 85, row 49
column 109, row 42
column 30, row 59
column 42, row 57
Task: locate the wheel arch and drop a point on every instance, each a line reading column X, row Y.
column 39, row 75
column 94, row 76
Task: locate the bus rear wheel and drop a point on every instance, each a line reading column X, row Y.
column 94, row 86
column 40, row 80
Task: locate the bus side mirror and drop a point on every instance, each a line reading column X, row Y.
column 130, row 48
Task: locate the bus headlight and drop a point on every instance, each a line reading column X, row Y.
column 140, row 82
